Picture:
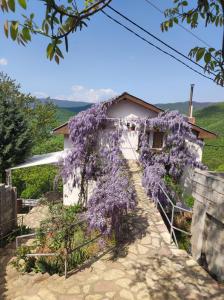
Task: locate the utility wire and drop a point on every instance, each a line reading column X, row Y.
column 156, row 38
column 153, row 45
column 181, row 26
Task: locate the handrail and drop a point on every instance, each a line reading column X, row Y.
column 174, row 206
column 58, row 254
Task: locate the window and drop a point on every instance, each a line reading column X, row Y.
column 158, row 140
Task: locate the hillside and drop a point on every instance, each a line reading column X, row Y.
column 182, row 107
column 65, row 113
column 66, row 103
column 212, row 118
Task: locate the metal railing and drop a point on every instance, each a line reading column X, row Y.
column 171, row 221
column 67, row 253
column 17, row 221
column 174, row 207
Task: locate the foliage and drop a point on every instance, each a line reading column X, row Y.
column 64, row 114
column 212, row 119
column 96, row 157
column 19, row 230
column 23, row 263
column 61, row 18
column 59, row 234
column 33, row 182
column 177, row 153
column 42, row 119
column 211, row 12
column 15, row 134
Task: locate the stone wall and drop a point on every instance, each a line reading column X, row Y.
column 208, row 221
column 7, row 209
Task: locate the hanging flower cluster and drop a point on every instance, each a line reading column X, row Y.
column 177, row 153
column 114, row 195
column 81, row 162
column 96, row 158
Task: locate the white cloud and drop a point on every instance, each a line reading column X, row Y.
column 40, row 95
column 3, row 61
column 81, row 93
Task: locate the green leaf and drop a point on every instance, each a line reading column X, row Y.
column 200, row 53
column 11, row 4
column 50, row 51
column 57, row 59
column 22, row 3
column 26, row 34
column 14, row 30
column 6, row 28
column 207, row 57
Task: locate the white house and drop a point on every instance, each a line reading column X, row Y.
column 127, row 109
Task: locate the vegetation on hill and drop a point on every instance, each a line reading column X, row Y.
column 212, row 118
column 183, row 107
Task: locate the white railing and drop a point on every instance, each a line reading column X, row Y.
column 174, row 207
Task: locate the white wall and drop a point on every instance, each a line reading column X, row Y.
column 125, row 108
column 129, row 111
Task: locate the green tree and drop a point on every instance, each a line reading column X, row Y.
column 15, row 134
column 61, row 19
column 210, row 12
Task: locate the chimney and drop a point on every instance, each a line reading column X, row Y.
column 191, row 119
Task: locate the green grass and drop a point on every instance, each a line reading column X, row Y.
column 212, row 118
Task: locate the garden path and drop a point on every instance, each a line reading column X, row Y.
column 147, row 268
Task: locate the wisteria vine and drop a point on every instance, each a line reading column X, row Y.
column 96, row 158
column 178, row 151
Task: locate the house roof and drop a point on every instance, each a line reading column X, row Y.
column 201, row 132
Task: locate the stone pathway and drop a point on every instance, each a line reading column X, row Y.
column 148, row 268
column 35, row 216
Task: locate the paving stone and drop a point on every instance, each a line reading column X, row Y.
column 113, row 274
column 110, row 294
column 74, row 290
column 93, row 297
column 125, row 294
column 86, row 289
column 124, row 282
column 46, row 294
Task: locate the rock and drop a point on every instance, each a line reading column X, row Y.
column 113, row 274
column 46, row 294
column 124, row 282
column 125, row 294
column 74, row 290
column 94, row 297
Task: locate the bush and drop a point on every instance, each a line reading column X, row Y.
column 33, row 182
column 59, row 234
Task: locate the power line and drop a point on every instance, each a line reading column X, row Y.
column 181, row 26
column 153, row 45
column 156, row 38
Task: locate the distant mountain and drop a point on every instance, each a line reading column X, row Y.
column 68, row 103
column 182, row 107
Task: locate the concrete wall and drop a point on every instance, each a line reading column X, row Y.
column 208, row 221
column 7, row 209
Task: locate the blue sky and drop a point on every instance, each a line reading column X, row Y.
column 105, row 60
